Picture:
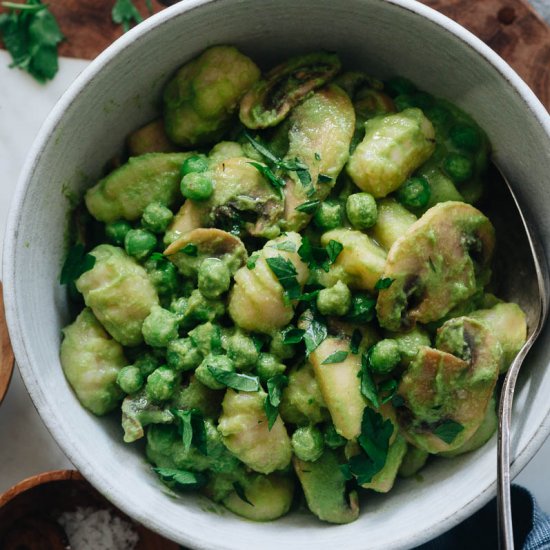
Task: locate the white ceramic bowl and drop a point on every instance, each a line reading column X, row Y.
column 115, row 95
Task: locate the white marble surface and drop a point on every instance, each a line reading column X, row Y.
column 26, row 448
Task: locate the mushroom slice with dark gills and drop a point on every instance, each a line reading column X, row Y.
column 243, row 202
column 321, row 129
column 188, row 252
column 441, row 261
column 269, row 101
column 446, row 391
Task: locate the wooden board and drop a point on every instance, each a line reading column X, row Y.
column 6, row 353
column 511, row 27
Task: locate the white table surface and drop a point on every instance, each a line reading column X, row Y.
column 26, row 446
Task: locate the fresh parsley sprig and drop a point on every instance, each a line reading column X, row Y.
column 193, row 430
column 31, row 35
column 319, row 257
column 275, row 386
column 126, row 14
column 76, row 263
column 286, row 273
column 235, row 380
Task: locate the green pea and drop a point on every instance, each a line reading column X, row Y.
column 361, row 210
column 156, row 217
column 398, row 85
column 439, row 116
column 329, row 215
column 465, row 137
column 333, row 439
column 116, row 231
column 414, row 193
column 179, row 307
column 335, row 300
column 197, row 186
column 308, row 443
column 214, row 278
column 130, row 379
column 183, row 355
column 242, row 351
column 384, row 356
column 147, row 363
column 200, row 309
column 196, row 163
column 139, row 243
column 268, row 366
column 160, row 327
column 279, row 349
column 458, row 167
column 203, row 374
column 161, row 384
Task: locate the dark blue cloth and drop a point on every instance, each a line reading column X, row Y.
column 479, row 532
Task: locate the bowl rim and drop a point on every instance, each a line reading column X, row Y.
column 70, row 448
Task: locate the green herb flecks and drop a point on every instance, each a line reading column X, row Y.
column 318, row 257
column 190, row 249
column 275, row 386
column 448, row 430
column 386, row 390
column 286, row 273
column 356, row 338
column 31, row 35
column 383, row 283
column 126, row 14
column 368, row 385
column 309, row 207
column 251, row 262
column 193, row 430
column 239, row 489
column 276, row 182
column 235, row 380
column 292, row 335
column 323, row 178
column 287, row 246
column 183, row 479
column 315, row 332
column 336, row 357
column 374, row 441
column 76, row 263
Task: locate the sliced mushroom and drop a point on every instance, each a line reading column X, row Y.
column 321, row 129
column 324, row 487
column 441, row 261
column 446, row 391
column 209, row 243
column 269, row 101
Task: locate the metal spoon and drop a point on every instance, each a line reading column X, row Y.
column 528, row 285
column 6, row 353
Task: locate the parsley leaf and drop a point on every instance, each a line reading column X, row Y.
column 31, row 34
column 309, row 296
column 235, row 380
column 239, row 489
column 361, row 310
column 287, row 246
column 448, row 430
column 182, row 478
column 356, row 338
column 286, row 273
column 190, row 249
column 383, row 283
column 317, row 256
column 368, row 385
column 251, row 262
column 262, row 149
column 193, row 429
column 397, row 401
column 259, row 341
column 333, row 250
column 309, row 207
column 125, row 13
column 292, row 335
column 315, row 332
column 276, row 182
column 76, row 263
column 323, row 178
column 386, row 390
column 336, row 357
column 275, row 386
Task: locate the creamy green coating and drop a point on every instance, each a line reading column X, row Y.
column 126, row 192
column 200, row 99
column 393, row 147
column 119, row 292
column 91, row 361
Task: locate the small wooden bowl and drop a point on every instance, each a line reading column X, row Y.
column 28, row 512
column 6, row 353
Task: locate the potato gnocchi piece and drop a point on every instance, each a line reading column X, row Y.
column 119, row 292
column 257, row 301
column 244, row 429
column 91, row 361
column 125, row 192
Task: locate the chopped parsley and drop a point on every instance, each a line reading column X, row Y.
column 368, row 385
column 276, row 182
column 76, row 263
column 318, row 257
column 286, row 273
column 182, row 478
column 125, row 13
column 193, row 430
column 31, row 34
column 309, row 207
column 251, row 262
column 333, row 250
column 383, row 283
column 275, row 386
column 336, row 357
column 356, row 338
column 323, row 178
column 235, row 380
column 292, row 335
column 315, row 332
column 386, row 390
column 239, row 489
column 361, row 310
column 190, row 249
column 448, row 430
column 287, row 246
